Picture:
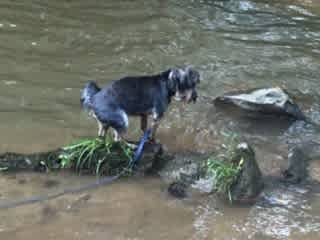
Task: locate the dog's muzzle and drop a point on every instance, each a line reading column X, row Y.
column 191, row 97
column 187, row 97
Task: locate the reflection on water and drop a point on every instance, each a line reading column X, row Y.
column 290, row 211
column 50, row 49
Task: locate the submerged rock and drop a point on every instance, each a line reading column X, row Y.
column 303, row 140
column 266, row 100
column 185, row 168
column 181, row 171
column 305, row 136
column 205, row 185
column 178, row 189
column 249, row 182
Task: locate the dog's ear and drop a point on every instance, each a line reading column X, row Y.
column 193, row 75
column 89, row 90
column 91, row 84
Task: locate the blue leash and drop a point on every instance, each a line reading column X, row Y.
column 139, row 151
column 106, row 180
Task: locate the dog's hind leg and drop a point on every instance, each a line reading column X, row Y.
column 116, row 136
column 119, row 122
column 101, row 127
column 101, row 131
column 117, row 119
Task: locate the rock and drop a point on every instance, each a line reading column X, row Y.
column 178, row 189
column 205, row 185
column 185, row 168
column 303, row 141
column 152, row 154
column 181, row 171
column 249, row 182
column 305, row 136
column 266, row 100
column 297, row 166
column 314, row 170
column 246, row 185
column 29, row 162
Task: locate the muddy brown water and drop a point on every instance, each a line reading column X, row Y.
column 49, row 49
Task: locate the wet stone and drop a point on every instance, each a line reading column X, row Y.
column 304, row 136
column 314, row 170
column 297, row 166
column 22, row 181
column 273, row 101
column 249, row 182
column 51, row 183
column 185, row 168
column 48, row 211
column 178, row 189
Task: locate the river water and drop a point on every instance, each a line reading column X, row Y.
column 49, row 49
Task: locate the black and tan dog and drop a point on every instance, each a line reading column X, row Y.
column 138, row 96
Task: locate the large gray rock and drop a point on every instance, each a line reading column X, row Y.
column 266, row 100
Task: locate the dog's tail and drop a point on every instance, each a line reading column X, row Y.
column 89, row 90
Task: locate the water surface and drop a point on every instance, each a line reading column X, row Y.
column 50, row 49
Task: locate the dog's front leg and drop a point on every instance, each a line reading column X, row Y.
column 119, row 136
column 154, row 128
column 144, row 122
column 157, row 115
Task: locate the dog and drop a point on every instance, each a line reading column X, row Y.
column 142, row 96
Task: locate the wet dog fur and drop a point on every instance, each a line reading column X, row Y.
column 138, row 96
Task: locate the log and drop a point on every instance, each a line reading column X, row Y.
column 49, row 160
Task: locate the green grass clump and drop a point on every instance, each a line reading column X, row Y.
column 222, row 168
column 224, row 175
column 99, row 156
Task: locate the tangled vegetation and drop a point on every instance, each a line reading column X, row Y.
column 222, row 167
column 99, row 156
column 224, row 175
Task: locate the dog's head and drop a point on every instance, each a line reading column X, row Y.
column 89, row 90
column 183, row 82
